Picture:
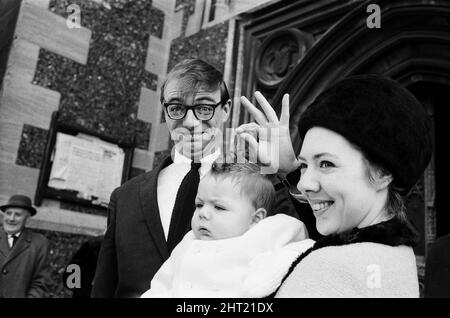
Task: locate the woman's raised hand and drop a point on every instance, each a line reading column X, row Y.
column 274, row 145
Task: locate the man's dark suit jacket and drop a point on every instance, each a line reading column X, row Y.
column 134, row 247
column 24, row 269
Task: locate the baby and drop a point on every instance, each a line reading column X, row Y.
column 233, row 250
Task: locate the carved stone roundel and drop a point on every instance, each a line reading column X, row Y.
column 279, row 54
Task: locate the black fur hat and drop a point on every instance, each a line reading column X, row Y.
column 382, row 118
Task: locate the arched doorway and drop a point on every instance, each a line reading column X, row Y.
column 413, row 47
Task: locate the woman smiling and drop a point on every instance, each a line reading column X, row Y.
column 366, row 142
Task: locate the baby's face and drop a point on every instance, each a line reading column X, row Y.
column 221, row 211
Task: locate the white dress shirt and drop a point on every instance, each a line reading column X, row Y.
column 169, row 180
column 10, row 238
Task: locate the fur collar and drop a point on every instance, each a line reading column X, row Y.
column 392, row 232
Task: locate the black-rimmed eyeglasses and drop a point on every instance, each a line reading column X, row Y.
column 177, row 111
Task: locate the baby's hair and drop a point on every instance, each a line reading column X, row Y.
column 254, row 185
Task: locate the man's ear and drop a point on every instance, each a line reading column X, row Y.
column 226, row 110
column 258, row 215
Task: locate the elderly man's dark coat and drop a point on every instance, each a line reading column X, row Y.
column 24, row 268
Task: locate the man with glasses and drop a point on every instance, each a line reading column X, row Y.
column 197, row 104
column 150, row 214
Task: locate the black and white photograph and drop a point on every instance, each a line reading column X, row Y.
column 228, row 155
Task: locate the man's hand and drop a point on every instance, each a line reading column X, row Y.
column 272, row 134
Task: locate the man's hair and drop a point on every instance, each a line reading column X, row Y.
column 194, row 74
column 254, row 185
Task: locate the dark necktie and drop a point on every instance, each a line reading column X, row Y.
column 14, row 240
column 184, row 207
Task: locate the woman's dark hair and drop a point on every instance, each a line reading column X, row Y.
column 395, row 206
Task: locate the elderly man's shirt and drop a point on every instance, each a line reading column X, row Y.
column 11, row 238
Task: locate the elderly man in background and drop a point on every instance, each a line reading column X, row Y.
column 24, row 255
